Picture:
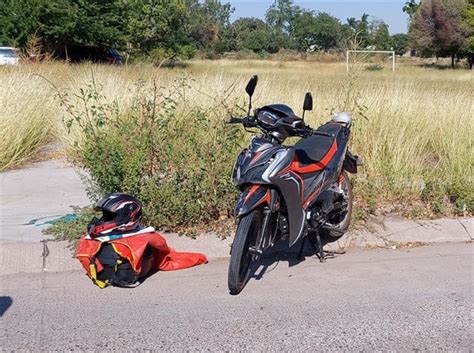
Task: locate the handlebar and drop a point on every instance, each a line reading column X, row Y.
column 304, row 131
column 235, row 121
column 247, row 121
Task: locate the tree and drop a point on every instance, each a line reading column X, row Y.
column 360, row 30
column 379, row 35
column 252, row 34
column 468, row 22
column 321, row 30
column 411, row 7
column 399, row 43
column 207, row 20
column 437, row 28
column 279, row 17
column 18, row 21
column 155, row 24
column 281, row 14
column 62, row 22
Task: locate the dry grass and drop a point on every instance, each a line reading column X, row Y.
column 413, row 127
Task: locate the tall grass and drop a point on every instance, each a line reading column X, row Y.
column 28, row 117
column 413, row 127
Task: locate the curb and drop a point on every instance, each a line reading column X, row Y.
column 392, row 233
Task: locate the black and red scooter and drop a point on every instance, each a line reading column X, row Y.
column 299, row 192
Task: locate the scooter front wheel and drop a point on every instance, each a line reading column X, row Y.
column 241, row 258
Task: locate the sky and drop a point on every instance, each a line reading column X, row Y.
column 390, row 11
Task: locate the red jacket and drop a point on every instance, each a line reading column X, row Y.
column 132, row 248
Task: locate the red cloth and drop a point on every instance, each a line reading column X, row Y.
column 132, row 248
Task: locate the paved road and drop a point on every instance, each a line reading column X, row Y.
column 416, row 299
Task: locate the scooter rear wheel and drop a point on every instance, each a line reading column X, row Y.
column 246, row 236
column 343, row 221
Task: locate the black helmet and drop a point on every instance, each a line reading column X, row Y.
column 120, row 211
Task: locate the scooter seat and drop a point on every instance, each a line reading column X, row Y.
column 315, row 148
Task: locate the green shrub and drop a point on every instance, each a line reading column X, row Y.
column 374, row 67
column 176, row 159
column 71, row 230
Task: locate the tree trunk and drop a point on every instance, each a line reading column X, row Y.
column 452, row 61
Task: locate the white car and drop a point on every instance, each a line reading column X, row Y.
column 9, row 56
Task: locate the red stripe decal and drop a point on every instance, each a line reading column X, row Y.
column 295, row 166
column 251, row 192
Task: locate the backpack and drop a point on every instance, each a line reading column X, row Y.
column 123, row 262
column 117, row 270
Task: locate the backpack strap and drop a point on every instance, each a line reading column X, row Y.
column 93, row 273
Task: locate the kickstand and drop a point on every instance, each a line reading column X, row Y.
column 320, row 253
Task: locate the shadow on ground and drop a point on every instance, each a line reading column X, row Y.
column 281, row 252
column 5, row 303
column 443, row 66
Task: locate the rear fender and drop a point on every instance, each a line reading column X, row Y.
column 351, row 162
column 252, row 197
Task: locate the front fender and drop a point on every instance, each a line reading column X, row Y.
column 252, row 197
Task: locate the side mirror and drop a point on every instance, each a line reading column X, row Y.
column 308, row 102
column 250, row 88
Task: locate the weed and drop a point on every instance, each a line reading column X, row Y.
column 412, row 127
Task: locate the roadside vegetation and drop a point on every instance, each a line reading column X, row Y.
column 159, row 133
column 28, row 116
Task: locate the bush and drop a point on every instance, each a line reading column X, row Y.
column 176, row 159
column 374, row 67
column 71, row 230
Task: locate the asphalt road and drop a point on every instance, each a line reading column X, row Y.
column 412, row 299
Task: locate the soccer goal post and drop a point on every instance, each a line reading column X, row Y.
column 391, row 52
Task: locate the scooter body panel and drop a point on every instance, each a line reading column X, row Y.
column 266, row 168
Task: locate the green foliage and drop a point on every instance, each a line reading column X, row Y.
column 250, row 34
column 457, row 194
column 18, row 20
column 468, row 23
column 360, row 30
column 400, row 43
column 154, row 24
column 71, row 230
column 207, row 21
column 281, row 14
column 175, row 160
column 320, row 30
column 159, row 30
column 374, row 67
column 380, row 37
column 411, row 7
column 61, row 22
